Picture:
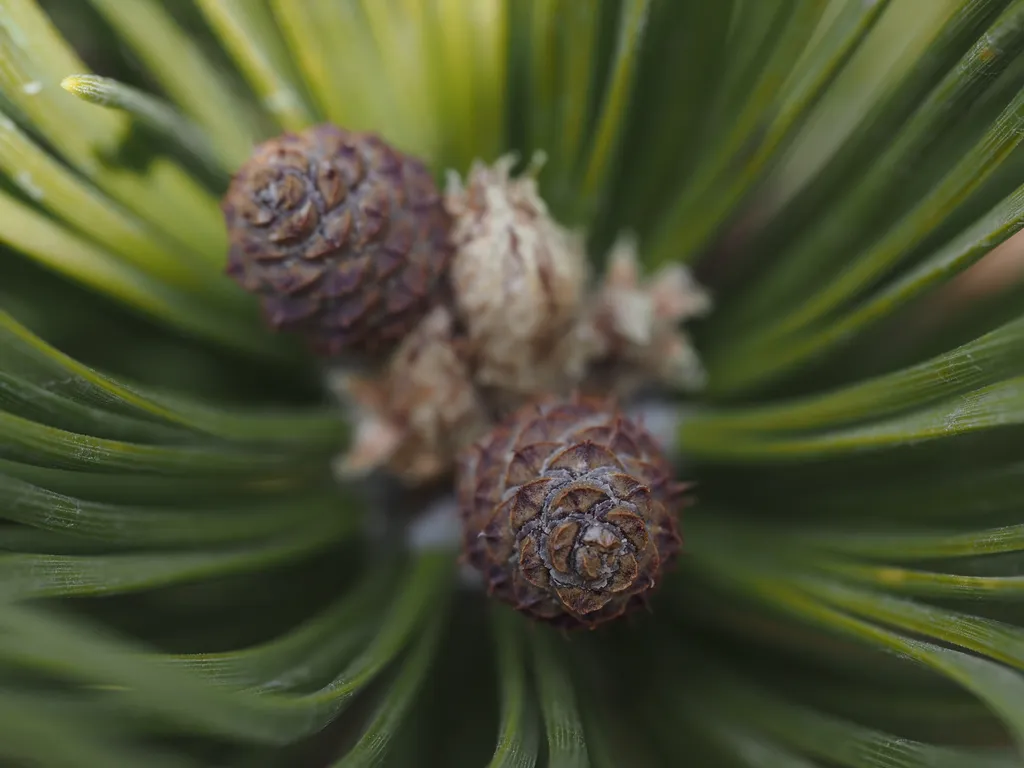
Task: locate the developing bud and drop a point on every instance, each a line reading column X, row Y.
column 419, row 412
column 518, row 280
column 637, row 325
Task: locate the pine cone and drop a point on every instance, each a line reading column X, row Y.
column 343, row 237
column 568, row 510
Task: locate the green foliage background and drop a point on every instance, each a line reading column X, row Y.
column 182, row 583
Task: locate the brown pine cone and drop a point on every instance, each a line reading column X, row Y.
column 568, row 509
column 343, row 237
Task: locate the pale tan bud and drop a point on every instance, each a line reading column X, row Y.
column 637, row 324
column 518, row 280
column 415, row 416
